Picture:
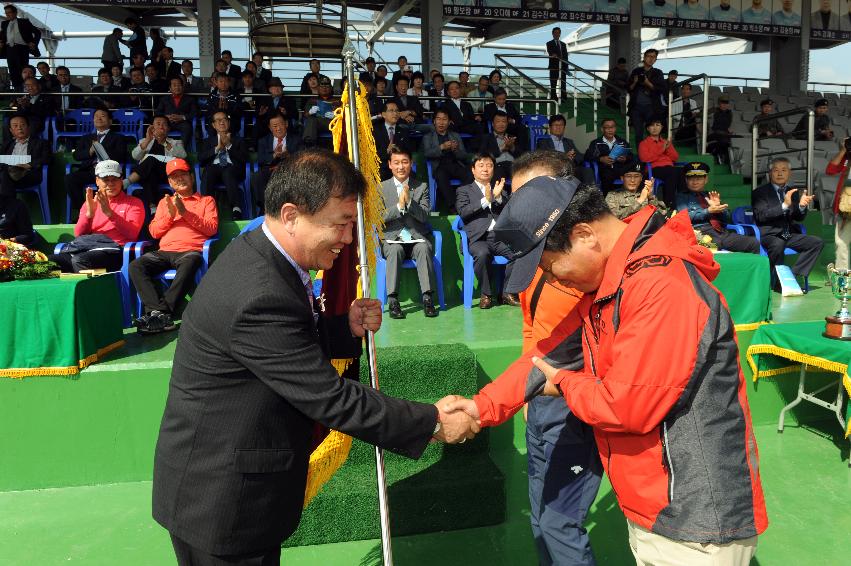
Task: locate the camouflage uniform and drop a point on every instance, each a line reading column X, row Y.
column 623, row 202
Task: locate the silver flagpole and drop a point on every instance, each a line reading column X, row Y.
column 352, row 136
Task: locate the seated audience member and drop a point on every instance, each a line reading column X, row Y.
column 49, row 82
column 15, row 221
column 483, row 93
column 138, row 93
column 193, row 83
column 380, row 86
column 708, row 214
column 278, row 144
column 684, row 117
column 556, row 141
column 479, row 204
column 387, row 134
column 768, row 127
column 417, row 89
column 28, row 71
column 116, row 73
column 501, row 146
column 402, row 61
column 445, row 151
column 464, row 83
column 36, row 106
column 222, row 159
column 179, row 109
column 778, row 210
column 315, row 68
column 276, row 103
column 462, row 119
column 721, row 130
column 494, row 82
column 63, row 103
column 181, row 224
column 155, row 80
column 82, row 174
column 105, row 86
column 318, row 112
column 438, row 86
column 263, row 73
column 661, row 155
column 312, row 84
column 609, row 168
column 231, row 69
column 151, row 155
column 371, row 98
column 406, row 231
column 108, row 219
column 821, row 127
column 370, row 72
column 841, row 219
column 259, row 84
column 223, row 99
column 168, row 67
column 515, row 124
column 246, row 90
column 14, row 177
column 634, row 195
column 410, row 108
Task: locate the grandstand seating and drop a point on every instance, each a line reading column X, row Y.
column 743, row 217
column 469, row 279
column 381, row 270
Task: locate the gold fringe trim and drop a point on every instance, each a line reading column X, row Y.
column 813, row 361
column 18, row 373
column 749, row 326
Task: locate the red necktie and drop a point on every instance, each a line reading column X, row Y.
column 280, row 147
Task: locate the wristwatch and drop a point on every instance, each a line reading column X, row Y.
column 437, row 427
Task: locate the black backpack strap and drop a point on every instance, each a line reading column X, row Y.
column 536, row 295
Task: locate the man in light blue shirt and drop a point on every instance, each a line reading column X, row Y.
column 691, row 10
column 756, row 14
column 723, row 12
column 658, row 9
column 787, row 17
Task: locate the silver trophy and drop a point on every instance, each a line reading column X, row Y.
column 838, row 326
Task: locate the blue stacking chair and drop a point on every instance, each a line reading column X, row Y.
column 130, row 122
column 538, row 125
column 252, row 225
column 743, row 218
column 40, row 191
column 381, row 269
column 247, row 205
column 469, row 280
column 83, row 125
column 167, row 277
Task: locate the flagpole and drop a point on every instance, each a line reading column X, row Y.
column 352, row 130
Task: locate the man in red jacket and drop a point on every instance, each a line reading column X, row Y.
column 182, row 223
column 672, row 424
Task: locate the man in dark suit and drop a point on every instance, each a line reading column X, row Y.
column 136, row 42
column 169, row 68
column 387, row 133
column 63, row 103
column 263, row 73
column 35, row 106
column 13, row 177
column 180, row 109
column 273, row 148
column 276, row 103
column 193, row 83
column 516, row 127
column 232, row 70
column 479, row 205
column 406, row 231
column 83, row 173
column 501, row 146
column 369, row 73
column 445, row 151
column 777, row 210
column 222, row 159
column 608, row 168
column 557, row 52
column 18, row 38
column 410, row 108
column 462, row 117
column 234, row 484
column 557, row 142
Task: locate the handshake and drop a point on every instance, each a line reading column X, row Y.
column 458, row 418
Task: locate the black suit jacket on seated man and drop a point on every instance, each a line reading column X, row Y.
column 39, row 151
column 250, row 378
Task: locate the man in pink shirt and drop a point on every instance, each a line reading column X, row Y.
column 108, row 219
column 182, row 223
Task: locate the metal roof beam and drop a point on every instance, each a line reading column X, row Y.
column 392, row 12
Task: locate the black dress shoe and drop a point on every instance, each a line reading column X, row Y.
column 510, row 299
column 428, row 307
column 395, row 309
column 485, row 302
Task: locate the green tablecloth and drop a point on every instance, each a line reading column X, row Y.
column 745, row 281
column 58, row 326
column 774, row 346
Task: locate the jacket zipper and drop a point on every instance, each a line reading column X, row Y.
column 668, row 462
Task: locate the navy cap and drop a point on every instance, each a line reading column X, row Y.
column 696, row 168
column 527, row 220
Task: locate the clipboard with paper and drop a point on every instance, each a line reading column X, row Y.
column 618, row 151
column 12, row 160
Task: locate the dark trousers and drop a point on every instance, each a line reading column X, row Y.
column 259, row 180
column 554, row 77
column 145, row 271
column 75, row 186
column 639, row 116
column 17, row 57
column 564, row 476
column 808, row 248
column 446, row 170
column 421, row 252
column 608, row 175
column 10, row 185
column 671, row 178
column 152, row 174
column 729, row 240
column 188, row 555
column 230, row 176
column 502, row 170
column 584, row 174
column 483, row 252
column 185, row 129
column 95, row 259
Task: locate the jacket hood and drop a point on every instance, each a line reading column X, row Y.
column 648, row 234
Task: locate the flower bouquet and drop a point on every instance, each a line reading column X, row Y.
column 705, row 241
column 19, row 262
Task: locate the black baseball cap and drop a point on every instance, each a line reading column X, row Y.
column 527, row 220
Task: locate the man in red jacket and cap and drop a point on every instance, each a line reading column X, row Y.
column 672, row 423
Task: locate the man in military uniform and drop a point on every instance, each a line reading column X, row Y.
column 634, row 195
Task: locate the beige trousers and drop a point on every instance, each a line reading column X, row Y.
column 651, row 549
column 842, row 238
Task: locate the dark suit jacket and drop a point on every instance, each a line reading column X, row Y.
column 411, row 103
column 186, row 107
column 238, row 153
column 265, row 149
column 173, row 70
column 490, row 146
column 73, row 101
column 468, row 201
column 40, row 152
column 382, row 140
column 38, row 112
column 559, row 49
column 459, row 117
column 415, row 218
column 547, row 143
column 768, row 211
column 251, row 376
column 491, row 110
column 598, row 148
column 29, row 33
column 113, row 143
